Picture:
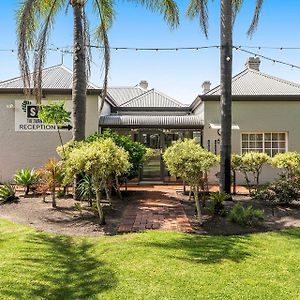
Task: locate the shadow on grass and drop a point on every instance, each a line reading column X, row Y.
column 292, row 233
column 206, row 249
column 59, row 268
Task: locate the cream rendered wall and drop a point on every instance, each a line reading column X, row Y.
column 106, row 110
column 256, row 116
column 31, row 149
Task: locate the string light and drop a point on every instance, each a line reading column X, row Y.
column 68, row 50
column 274, row 61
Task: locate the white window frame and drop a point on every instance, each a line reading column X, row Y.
column 263, row 140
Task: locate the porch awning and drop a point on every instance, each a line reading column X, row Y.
column 218, row 126
column 161, row 121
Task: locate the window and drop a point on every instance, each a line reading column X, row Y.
column 267, row 142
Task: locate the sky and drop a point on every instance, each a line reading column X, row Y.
column 179, row 73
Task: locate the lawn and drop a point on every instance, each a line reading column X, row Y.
column 149, row 265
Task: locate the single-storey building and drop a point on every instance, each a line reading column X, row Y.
column 25, row 142
column 265, row 118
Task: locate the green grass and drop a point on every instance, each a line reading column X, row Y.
column 150, row 265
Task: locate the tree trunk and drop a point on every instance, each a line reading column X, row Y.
column 27, row 190
column 226, row 95
column 108, row 195
column 198, row 205
column 234, row 182
column 118, row 188
column 53, row 197
column 79, row 76
column 99, row 207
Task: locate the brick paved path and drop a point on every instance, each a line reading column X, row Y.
column 154, row 210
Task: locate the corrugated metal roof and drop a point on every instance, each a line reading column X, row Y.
column 155, row 121
column 56, row 77
column 123, row 94
column 153, row 98
column 254, row 83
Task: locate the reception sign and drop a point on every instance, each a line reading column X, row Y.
column 26, row 117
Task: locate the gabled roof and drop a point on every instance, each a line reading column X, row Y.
column 152, row 98
column 57, row 77
column 255, row 83
column 121, row 95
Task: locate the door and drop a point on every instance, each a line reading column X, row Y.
column 153, row 168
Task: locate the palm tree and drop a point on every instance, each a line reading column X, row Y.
column 35, row 19
column 229, row 9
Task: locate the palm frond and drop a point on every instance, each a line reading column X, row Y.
column 236, row 7
column 168, row 8
column 106, row 15
column 199, row 9
column 27, row 24
column 49, row 10
column 255, row 19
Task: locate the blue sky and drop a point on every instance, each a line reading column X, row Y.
column 178, row 74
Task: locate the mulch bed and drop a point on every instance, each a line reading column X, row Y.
column 66, row 219
column 284, row 217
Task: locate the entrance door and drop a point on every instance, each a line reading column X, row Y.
column 153, row 168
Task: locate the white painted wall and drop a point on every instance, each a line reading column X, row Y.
column 256, row 116
column 32, row 149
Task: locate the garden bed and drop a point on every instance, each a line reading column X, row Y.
column 66, row 219
column 284, row 217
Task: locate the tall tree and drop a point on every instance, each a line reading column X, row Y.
column 229, row 9
column 35, row 19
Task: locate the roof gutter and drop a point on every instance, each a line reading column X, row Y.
column 96, row 92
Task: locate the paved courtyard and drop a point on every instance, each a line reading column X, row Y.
column 154, row 209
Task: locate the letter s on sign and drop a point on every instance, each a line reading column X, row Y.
column 32, row 111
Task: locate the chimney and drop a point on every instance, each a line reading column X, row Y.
column 206, row 86
column 144, row 84
column 253, row 63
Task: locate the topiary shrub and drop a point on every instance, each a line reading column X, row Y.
column 250, row 164
column 137, row 152
column 100, row 159
column 246, row 216
column 188, row 160
column 289, row 162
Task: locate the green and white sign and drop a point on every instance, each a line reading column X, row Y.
column 26, row 117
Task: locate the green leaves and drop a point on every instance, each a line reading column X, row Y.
column 54, row 113
column 26, row 177
column 289, row 161
column 7, row 193
column 100, row 159
column 137, row 152
column 186, row 159
column 198, row 8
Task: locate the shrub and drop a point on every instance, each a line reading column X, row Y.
column 26, row 178
column 289, row 162
column 55, row 113
column 250, row 164
column 85, row 189
column 188, row 160
column 137, row 152
column 245, row 216
column 217, row 200
column 50, row 174
column 100, row 159
column 7, row 193
column 282, row 191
